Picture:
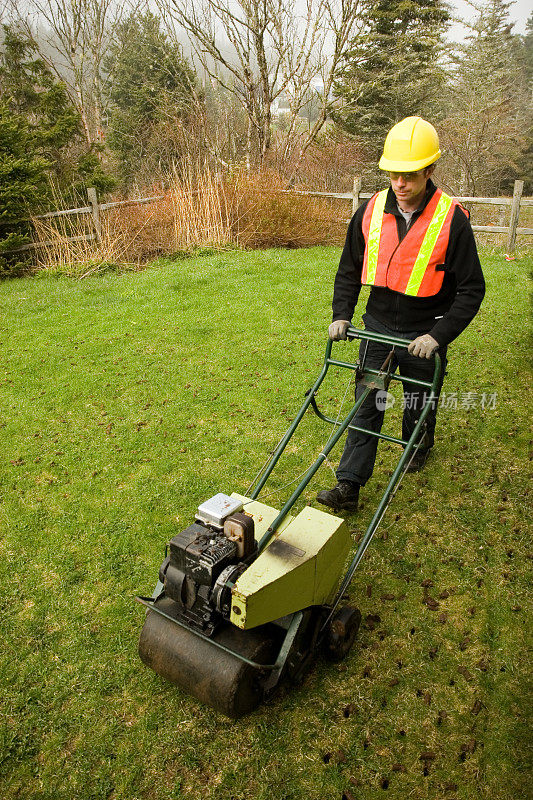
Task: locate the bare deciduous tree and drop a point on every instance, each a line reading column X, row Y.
column 72, row 37
column 340, row 21
column 261, row 50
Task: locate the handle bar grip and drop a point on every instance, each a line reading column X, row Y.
column 395, row 341
column 355, row 333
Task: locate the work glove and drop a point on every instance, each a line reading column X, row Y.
column 423, row 346
column 337, row 330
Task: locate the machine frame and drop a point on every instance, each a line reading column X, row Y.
column 329, row 618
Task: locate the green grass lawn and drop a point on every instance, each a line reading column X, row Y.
column 128, row 400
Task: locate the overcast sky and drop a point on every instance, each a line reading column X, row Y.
column 518, row 13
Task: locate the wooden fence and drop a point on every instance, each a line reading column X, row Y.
column 516, row 202
column 94, row 209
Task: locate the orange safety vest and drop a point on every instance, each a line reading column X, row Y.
column 410, row 266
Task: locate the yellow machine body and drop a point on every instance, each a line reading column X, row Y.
column 300, row 566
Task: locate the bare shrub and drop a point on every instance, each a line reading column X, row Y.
column 263, row 214
column 200, row 209
column 329, row 165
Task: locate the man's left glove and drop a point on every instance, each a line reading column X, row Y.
column 337, row 330
column 423, row 346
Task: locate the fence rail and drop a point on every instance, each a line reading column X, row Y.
column 95, row 208
column 516, row 202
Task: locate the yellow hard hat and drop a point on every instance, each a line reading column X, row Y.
column 411, row 145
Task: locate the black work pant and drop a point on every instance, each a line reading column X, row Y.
column 359, row 455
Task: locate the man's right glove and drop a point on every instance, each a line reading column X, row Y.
column 423, row 346
column 337, row 330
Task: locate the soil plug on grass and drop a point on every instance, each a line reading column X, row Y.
column 467, row 675
column 476, row 708
column 372, row 620
column 467, row 749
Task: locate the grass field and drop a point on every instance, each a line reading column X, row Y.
column 128, row 400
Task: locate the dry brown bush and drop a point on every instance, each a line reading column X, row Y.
column 263, row 214
column 204, row 209
column 330, row 164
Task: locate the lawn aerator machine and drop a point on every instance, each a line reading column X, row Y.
column 249, row 595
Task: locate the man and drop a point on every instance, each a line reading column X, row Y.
column 415, row 247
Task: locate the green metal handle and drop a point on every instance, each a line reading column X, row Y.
column 372, row 336
column 395, row 341
column 353, row 333
column 413, row 444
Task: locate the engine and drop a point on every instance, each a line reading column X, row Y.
column 205, row 560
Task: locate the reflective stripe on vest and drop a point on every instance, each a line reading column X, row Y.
column 414, row 265
column 428, row 245
column 374, row 234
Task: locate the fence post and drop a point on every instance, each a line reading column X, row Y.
column 95, row 208
column 515, row 214
column 356, row 193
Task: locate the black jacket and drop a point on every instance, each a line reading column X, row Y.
column 446, row 314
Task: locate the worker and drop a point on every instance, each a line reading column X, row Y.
column 414, row 246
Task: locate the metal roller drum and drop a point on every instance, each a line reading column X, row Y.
column 200, row 668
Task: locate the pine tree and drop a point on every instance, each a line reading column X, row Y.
column 35, row 123
column 32, row 93
column 40, row 140
column 487, row 100
column 525, row 160
column 23, row 182
column 527, row 40
column 393, row 69
column 152, row 94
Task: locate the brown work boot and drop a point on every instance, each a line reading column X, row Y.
column 418, row 461
column 343, row 497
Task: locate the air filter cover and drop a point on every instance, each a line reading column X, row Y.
column 215, row 510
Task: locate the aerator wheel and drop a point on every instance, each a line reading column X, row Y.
column 216, row 677
column 341, row 632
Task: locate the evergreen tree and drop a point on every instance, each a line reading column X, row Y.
column 23, row 182
column 152, row 96
column 35, row 123
column 33, row 94
column 488, row 102
column 393, row 69
column 525, row 161
column 39, row 131
column 528, row 48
